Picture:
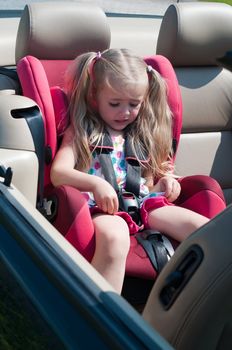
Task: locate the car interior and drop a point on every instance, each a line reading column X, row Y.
column 189, row 304
column 205, row 86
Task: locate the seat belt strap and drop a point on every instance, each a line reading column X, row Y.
column 157, row 247
column 133, row 165
column 133, row 177
column 10, row 72
column 108, row 169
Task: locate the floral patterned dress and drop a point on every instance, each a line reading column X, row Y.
column 119, row 165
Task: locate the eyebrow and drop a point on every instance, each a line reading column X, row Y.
column 129, row 99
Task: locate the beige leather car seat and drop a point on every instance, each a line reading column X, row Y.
column 190, row 304
column 50, row 31
column 192, row 36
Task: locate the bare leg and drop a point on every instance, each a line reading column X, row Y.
column 112, row 246
column 176, row 222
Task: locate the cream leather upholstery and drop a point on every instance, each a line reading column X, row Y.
column 200, row 317
column 190, row 304
column 192, row 36
column 61, row 30
column 17, row 149
column 49, row 31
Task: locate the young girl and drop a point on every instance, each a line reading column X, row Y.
column 115, row 93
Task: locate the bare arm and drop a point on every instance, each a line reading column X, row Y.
column 63, row 172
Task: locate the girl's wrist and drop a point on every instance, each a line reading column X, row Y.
column 95, row 182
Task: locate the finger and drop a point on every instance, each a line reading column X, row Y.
column 175, row 192
column 104, row 206
column 168, row 188
column 110, row 206
column 170, row 197
column 177, row 188
column 115, row 204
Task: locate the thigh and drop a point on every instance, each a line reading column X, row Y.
column 175, row 221
column 150, row 205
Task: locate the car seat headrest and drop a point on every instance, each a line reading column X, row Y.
column 195, row 34
column 61, row 30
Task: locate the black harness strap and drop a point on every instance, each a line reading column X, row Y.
column 133, row 165
column 133, row 177
column 10, row 72
column 155, row 248
column 103, row 150
column 107, row 168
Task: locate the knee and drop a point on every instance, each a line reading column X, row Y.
column 114, row 239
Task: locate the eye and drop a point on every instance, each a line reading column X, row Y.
column 114, row 104
column 135, row 104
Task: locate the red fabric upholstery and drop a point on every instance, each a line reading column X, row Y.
column 52, row 101
column 199, row 193
column 35, row 85
column 73, row 220
column 55, row 70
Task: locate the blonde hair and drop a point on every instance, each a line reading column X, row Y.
column 151, row 132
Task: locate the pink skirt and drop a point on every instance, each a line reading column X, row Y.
column 147, row 206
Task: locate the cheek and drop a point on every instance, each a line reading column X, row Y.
column 105, row 112
column 134, row 114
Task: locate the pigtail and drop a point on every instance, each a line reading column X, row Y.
column 78, row 86
column 158, row 121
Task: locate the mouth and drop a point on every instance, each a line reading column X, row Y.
column 122, row 121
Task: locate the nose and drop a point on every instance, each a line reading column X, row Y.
column 126, row 111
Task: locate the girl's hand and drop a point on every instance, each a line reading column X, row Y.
column 170, row 186
column 105, row 196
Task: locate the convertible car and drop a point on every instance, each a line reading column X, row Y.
column 51, row 296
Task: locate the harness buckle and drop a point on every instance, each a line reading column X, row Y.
column 129, row 203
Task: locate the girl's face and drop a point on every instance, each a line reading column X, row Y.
column 119, row 108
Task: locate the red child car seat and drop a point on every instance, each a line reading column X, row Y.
column 41, row 80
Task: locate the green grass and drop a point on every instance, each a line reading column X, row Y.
column 229, row 2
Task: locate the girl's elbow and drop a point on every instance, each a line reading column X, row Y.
column 55, row 177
